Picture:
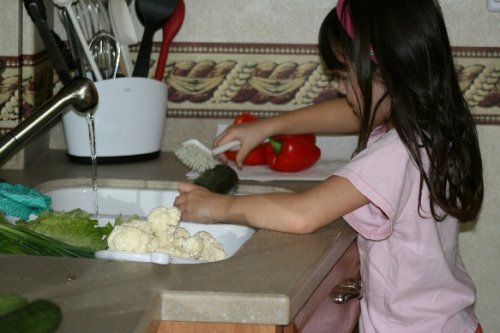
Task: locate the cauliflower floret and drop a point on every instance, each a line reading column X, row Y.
column 135, row 236
column 163, row 216
column 181, row 235
column 165, row 238
column 190, row 247
column 212, row 249
column 194, row 246
column 181, row 232
column 174, row 238
column 161, row 233
column 163, row 223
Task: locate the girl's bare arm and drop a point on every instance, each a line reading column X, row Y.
column 302, row 212
column 330, row 117
column 335, row 117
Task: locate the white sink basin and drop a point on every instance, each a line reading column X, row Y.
column 113, row 201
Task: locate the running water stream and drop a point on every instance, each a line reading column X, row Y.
column 93, row 159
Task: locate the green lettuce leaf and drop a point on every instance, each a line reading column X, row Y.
column 74, row 228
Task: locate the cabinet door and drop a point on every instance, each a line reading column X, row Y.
column 321, row 314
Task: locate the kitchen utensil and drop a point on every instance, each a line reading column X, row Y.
column 36, row 10
column 92, row 16
column 170, row 29
column 106, row 53
column 73, row 43
column 83, row 16
column 123, row 28
column 152, row 14
column 71, row 13
column 198, row 157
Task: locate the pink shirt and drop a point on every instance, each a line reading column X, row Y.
column 413, row 276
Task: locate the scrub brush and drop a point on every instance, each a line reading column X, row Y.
column 198, row 157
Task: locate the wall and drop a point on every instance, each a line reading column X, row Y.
column 25, row 75
column 224, row 42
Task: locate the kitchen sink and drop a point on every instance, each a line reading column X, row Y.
column 139, row 198
column 111, row 201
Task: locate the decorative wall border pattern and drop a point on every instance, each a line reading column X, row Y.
column 216, row 80
column 25, row 83
column 222, row 80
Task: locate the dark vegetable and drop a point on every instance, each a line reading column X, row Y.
column 40, row 316
column 221, row 179
column 292, row 153
column 11, row 302
column 19, row 240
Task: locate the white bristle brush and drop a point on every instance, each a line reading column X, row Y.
column 198, row 157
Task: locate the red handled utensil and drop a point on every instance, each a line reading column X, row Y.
column 153, row 14
column 170, row 29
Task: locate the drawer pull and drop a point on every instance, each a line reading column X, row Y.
column 347, row 290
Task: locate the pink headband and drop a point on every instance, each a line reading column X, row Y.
column 344, row 16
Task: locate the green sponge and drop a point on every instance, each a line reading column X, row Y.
column 20, row 201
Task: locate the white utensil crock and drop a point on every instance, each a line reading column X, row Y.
column 129, row 122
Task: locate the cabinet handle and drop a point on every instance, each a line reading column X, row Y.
column 347, row 290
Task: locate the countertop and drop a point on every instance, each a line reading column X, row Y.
column 266, row 282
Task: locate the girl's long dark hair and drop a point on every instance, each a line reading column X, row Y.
column 413, row 58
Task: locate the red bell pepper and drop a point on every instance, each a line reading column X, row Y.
column 244, row 118
column 257, row 156
column 292, row 153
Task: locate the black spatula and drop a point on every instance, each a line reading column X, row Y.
column 152, row 14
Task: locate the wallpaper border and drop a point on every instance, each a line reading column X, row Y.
column 259, row 68
column 222, row 80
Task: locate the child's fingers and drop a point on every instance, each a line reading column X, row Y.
column 185, row 187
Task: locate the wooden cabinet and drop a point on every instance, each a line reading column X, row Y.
column 319, row 314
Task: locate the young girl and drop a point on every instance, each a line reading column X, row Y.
column 415, row 174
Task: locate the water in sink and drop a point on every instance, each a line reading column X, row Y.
column 132, row 201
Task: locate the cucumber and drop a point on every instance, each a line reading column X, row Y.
column 11, row 302
column 40, row 316
column 220, row 179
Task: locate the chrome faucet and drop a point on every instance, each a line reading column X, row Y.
column 80, row 93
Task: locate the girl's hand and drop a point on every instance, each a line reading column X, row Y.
column 198, row 204
column 250, row 135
